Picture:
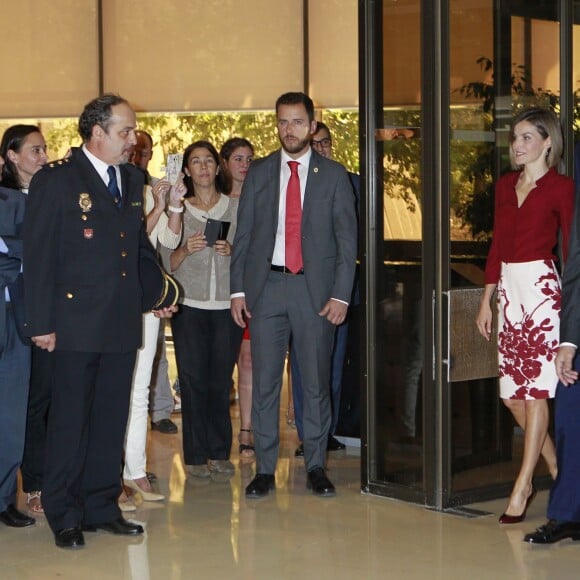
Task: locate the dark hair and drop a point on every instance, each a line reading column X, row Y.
column 220, row 184
column 232, row 144
column 548, row 125
column 225, row 153
column 12, row 140
column 297, row 99
column 98, row 112
column 320, row 126
column 139, row 132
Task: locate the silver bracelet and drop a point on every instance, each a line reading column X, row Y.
column 175, row 209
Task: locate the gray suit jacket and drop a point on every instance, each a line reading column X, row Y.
column 329, row 230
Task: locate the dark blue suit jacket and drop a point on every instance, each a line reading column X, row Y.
column 12, row 205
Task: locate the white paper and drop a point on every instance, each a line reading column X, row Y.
column 174, row 161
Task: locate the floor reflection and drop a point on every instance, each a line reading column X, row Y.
column 211, row 531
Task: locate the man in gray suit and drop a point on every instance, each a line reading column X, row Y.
column 292, row 274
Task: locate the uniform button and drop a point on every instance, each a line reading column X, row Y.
column 123, row 254
column 69, row 295
column 122, row 234
column 124, row 274
column 84, row 218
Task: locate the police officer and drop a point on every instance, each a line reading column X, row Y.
column 83, row 239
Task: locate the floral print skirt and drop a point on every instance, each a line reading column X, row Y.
column 528, row 329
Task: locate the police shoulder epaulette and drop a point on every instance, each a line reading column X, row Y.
column 59, row 162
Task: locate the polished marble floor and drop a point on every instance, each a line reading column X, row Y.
column 211, row 531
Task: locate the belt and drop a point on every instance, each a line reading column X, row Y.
column 285, row 270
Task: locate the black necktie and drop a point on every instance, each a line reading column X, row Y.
column 112, row 186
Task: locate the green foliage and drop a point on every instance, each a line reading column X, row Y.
column 60, row 136
column 402, row 158
column 173, row 132
column 344, row 128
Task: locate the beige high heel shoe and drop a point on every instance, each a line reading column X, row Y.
column 124, row 503
column 146, row 495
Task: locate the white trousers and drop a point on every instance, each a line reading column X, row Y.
column 136, row 436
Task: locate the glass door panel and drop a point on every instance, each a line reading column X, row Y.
column 399, row 321
column 499, row 63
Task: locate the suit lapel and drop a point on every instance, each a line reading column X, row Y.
column 312, row 182
column 130, row 187
column 274, row 177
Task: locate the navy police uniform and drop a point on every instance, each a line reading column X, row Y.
column 82, row 282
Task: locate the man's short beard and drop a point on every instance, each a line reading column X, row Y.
column 296, row 146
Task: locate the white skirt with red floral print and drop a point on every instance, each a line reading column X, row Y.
column 528, row 296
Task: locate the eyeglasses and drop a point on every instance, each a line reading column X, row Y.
column 326, row 143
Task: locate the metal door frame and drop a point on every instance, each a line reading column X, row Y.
column 436, row 236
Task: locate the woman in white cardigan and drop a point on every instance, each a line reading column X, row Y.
column 164, row 222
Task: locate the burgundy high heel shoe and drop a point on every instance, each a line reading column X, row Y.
column 507, row 519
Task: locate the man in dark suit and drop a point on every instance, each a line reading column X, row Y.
column 292, row 273
column 83, row 240
column 14, row 356
column 564, row 504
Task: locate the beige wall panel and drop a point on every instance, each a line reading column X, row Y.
column 471, row 30
column 203, row 55
column 545, row 62
column 401, row 53
column 50, row 64
column 333, row 45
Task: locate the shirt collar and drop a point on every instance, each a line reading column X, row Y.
column 303, row 160
column 99, row 165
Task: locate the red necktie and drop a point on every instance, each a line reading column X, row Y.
column 293, row 221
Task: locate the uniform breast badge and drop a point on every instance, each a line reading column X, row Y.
column 85, row 202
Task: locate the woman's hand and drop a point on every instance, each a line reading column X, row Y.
column 178, row 190
column 223, row 248
column 195, row 243
column 160, row 190
column 484, row 320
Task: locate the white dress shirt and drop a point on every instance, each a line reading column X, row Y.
column 279, row 255
column 101, row 168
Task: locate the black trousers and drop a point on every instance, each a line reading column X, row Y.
column 41, row 377
column 85, row 434
column 206, row 346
